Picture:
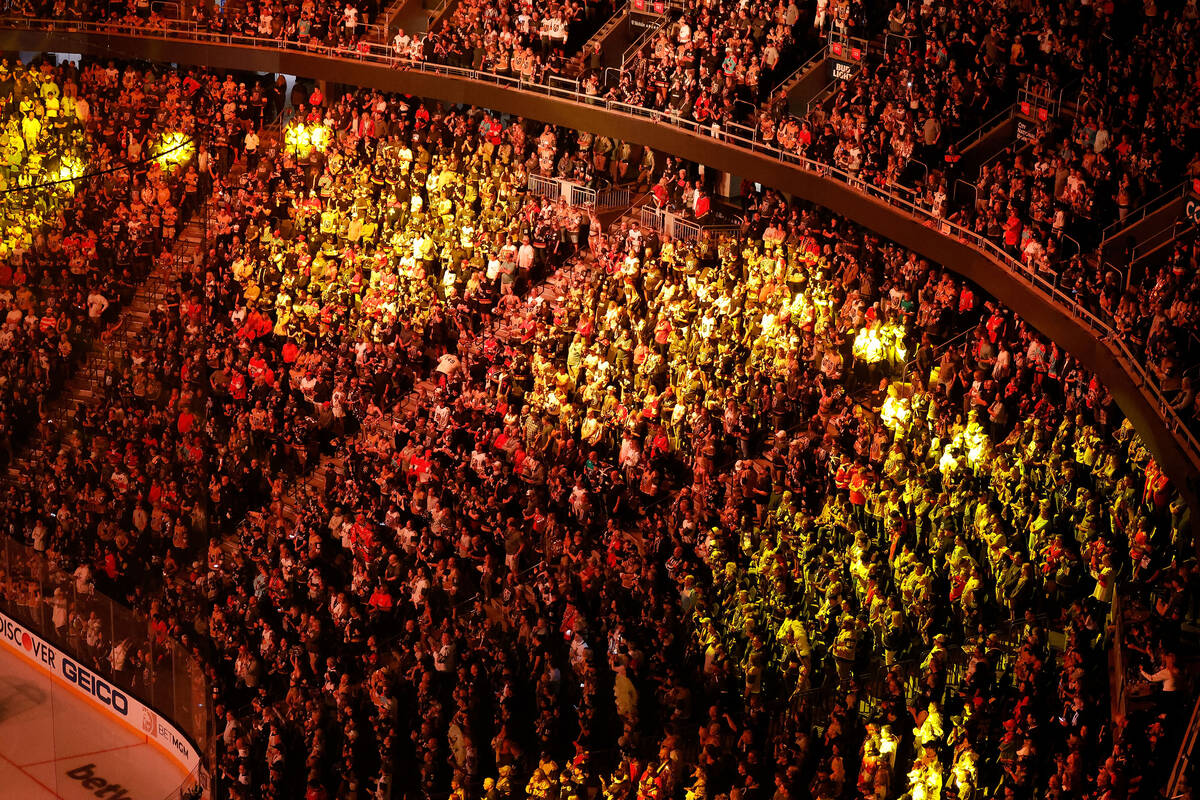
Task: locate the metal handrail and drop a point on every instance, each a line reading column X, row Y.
column 843, row 38
column 1100, row 329
column 651, row 217
column 646, row 37
column 1018, row 146
column 1122, row 276
column 389, row 13
column 614, row 197
column 923, row 165
column 1040, row 100
column 971, row 138
column 434, row 14
column 563, row 80
column 1072, row 240
column 158, row 5
column 580, row 196
column 678, row 226
column 745, row 130
column 974, row 191
column 1184, row 758
column 1144, row 210
column 888, row 36
column 550, row 188
column 820, row 97
column 604, row 30
column 1163, row 236
column 577, row 194
column 803, row 68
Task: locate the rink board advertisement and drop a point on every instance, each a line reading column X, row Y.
column 112, row 700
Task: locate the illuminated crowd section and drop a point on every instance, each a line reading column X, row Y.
column 303, row 138
column 174, row 149
column 604, row 513
column 45, row 147
column 48, row 148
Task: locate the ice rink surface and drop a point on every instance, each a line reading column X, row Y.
column 53, row 742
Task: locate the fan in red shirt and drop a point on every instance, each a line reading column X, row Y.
column 237, row 386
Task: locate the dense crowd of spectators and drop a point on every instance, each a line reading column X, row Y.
column 660, row 530
column 1121, row 146
column 337, row 23
column 934, row 73
column 792, row 513
column 890, row 121
column 519, row 38
column 86, row 206
column 711, row 58
column 1046, row 200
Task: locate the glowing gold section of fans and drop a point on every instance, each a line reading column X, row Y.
column 70, row 168
column 970, row 441
column 896, row 412
column 174, row 148
column 42, row 190
column 873, row 343
column 302, row 139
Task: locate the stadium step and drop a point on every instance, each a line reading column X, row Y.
column 439, row 12
column 805, row 82
column 608, row 42
column 395, row 16
column 84, row 387
column 981, row 146
column 1144, row 223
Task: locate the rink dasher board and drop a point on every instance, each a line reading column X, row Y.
column 114, row 702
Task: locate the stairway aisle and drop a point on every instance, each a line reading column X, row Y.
column 85, row 386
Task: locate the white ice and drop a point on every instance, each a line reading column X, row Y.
column 48, row 732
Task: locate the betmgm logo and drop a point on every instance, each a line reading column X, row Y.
column 56, row 661
column 100, row 787
column 155, row 727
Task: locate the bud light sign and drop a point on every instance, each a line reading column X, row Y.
column 841, row 70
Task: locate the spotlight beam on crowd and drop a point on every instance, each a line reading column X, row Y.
column 131, row 165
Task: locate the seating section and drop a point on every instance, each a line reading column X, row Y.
column 1095, row 80
column 91, row 196
column 715, row 61
column 453, row 488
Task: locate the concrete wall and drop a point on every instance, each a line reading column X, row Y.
column 1051, row 319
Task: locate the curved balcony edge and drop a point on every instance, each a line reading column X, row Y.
column 1091, row 341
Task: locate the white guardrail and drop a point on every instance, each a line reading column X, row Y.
column 578, row 195
column 678, row 226
column 383, row 55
